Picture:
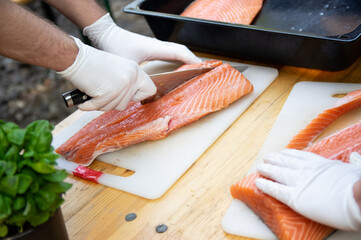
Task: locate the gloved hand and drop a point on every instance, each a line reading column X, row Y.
column 107, row 36
column 110, row 80
column 317, row 188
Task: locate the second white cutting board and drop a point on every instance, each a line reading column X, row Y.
column 306, row 101
column 158, row 164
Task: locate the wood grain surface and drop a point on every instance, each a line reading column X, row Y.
column 193, row 208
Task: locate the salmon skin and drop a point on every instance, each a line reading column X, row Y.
column 187, row 103
column 282, row 220
column 232, row 11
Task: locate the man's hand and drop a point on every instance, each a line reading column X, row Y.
column 110, row 80
column 107, row 36
column 316, row 187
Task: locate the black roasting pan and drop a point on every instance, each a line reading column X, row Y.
column 319, row 34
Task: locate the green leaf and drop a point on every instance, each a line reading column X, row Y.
column 24, row 183
column 16, row 136
column 8, row 126
column 56, row 187
column 44, row 142
column 39, row 218
column 4, row 143
column 34, row 187
column 40, row 125
column 25, row 163
column 9, row 168
column 29, row 172
column 17, row 219
column 13, row 153
column 19, row 203
column 30, row 207
column 57, row 176
column 39, row 136
column 5, row 207
column 48, row 157
column 57, row 203
column 2, row 167
column 42, row 167
column 45, row 200
column 49, row 202
column 9, row 185
column 3, row 230
column 29, row 153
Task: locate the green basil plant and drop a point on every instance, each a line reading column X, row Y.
column 31, row 187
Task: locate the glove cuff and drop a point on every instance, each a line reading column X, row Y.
column 79, row 60
column 99, row 30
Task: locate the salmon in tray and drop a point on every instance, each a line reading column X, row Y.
column 231, row 11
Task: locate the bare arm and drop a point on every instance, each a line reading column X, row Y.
column 81, row 12
column 30, row 39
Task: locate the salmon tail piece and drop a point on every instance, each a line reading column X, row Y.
column 285, row 223
column 305, row 137
column 187, row 103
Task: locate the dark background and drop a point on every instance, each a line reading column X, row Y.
column 29, row 93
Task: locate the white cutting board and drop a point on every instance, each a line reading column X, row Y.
column 306, row 101
column 159, row 164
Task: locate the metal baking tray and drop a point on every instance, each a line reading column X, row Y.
column 323, row 34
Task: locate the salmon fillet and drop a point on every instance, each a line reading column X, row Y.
column 346, row 104
column 285, row 223
column 339, row 145
column 187, row 103
column 282, row 220
column 232, row 11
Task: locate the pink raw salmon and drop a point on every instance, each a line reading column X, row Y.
column 232, row 11
column 285, row 223
column 339, row 145
column 282, row 220
column 346, row 104
column 187, row 103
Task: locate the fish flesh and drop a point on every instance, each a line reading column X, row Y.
column 339, row 145
column 285, row 223
column 231, row 11
column 306, row 136
column 187, row 103
column 282, row 220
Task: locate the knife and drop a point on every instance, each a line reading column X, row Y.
column 165, row 82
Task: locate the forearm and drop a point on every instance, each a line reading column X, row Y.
column 81, row 12
column 30, row 39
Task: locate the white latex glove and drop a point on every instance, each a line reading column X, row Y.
column 107, row 36
column 317, row 188
column 110, row 80
column 355, row 158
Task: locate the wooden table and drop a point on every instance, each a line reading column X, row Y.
column 193, row 208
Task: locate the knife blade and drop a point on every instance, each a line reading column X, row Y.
column 165, row 82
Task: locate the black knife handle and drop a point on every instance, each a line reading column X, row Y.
column 75, row 97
